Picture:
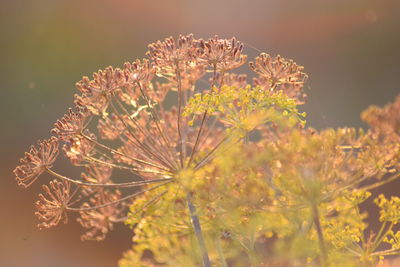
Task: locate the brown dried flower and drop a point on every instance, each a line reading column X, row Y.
column 222, row 54
column 139, row 71
column 95, row 92
column 233, row 79
column 79, row 148
column 71, row 124
column 97, row 173
column 178, row 61
column 278, row 73
column 36, row 161
column 166, row 54
column 51, row 209
column 110, row 127
column 100, row 221
column 384, row 121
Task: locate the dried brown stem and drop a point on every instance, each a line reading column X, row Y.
column 142, row 146
column 321, row 240
column 99, row 161
column 155, row 116
column 119, row 200
column 180, row 143
column 203, row 119
column 113, row 151
column 127, row 184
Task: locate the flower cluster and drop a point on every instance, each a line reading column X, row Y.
column 230, row 165
column 52, row 210
column 384, row 121
column 277, row 73
column 36, row 161
column 121, row 121
column 390, row 209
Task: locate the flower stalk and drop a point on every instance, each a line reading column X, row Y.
column 198, row 232
column 321, row 240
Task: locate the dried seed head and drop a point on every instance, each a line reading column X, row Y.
column 223, row 54
column 278, row 73
column 36, row 161
column 95, row 92
column 77, row 149
column 100, row 221
column 169, row 51
column 96, row 173
column 384, row 121
column 137, row 74
column 51, row 209
column 233, row 79
column 181, row 56
column 139, row 71
column 71, row 125
column 110, row 127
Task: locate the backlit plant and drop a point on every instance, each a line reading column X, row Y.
column 216, row 170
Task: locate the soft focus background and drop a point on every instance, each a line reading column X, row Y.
column 350, row 49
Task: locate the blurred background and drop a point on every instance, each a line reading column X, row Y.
column 350, row 49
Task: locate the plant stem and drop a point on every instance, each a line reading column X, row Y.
column 322, row 247
column 197, row 231
column 220, row 252
column 180, row 143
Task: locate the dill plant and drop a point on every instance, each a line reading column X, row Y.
column 201, row 189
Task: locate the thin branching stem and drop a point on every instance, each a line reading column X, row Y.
column 212, row 153
column 205, row 159
column 381, row 183
column 155, row 115
column 138, row 143
column 113, row 165
column 382, row 234
column 119, row 200
column 179, row 85
column 142, row 146
column 197, row 230
column 116, row 152
column 392, row 251
column 127, row 184
column 143, row 130
column 198, row 137
column 203, row 119
column 156, row 119
column 321, row 240
column 362, row 237
column 149, row 203
column 220, row 252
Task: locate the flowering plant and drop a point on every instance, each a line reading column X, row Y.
column 227, row 174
